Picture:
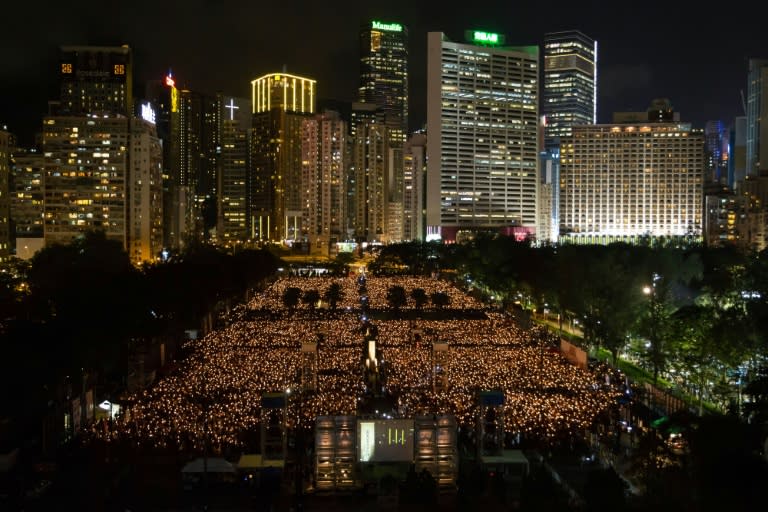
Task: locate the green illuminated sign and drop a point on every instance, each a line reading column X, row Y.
column 391, row 27
column 484, row 38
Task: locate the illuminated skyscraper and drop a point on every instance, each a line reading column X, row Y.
column 384, row 82
column 96, row 79
column 280, row 102
column 569, row 95
column 757, row 111
column 482, row 124
column 716, row 137
column 195, row 145
column 232, row 215
column 384, row 73
column 626, row 181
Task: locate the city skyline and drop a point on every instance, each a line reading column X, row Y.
column 640, row 52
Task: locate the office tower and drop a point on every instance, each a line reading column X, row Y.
column 626, row 181
column 414, row 169
column 369, row 183
column 753, row 196
column 280, row 102
column 569, row 94
column 195, row 143
column 482, row 117
column 6, row 147
column 232, row 215
column 27, row 201
column 757, row 110
column 384, row 73
column 102, row 173
column 737, row 165
column 96, row 79
column 384, row 82
column 323, row 181
column 716, row 139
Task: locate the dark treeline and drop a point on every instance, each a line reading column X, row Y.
column 696, row 317
column 693, row 318
column 77, row 310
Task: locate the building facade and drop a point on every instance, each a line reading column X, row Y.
column 6, row 148
column 626, row 181
column 280, row 103
column 369, row 178
column 144, row 202
column 384, row 82
column 103, row 173
column 27, row 201
column 96, row 79
column 482, row 124
column 324, row 181
column 232, row 215
column 195, row 145
column 569, row 93
column 718, row 152
column 414, row 184
column 757, row 110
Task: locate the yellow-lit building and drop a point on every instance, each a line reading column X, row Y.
column 280, row 103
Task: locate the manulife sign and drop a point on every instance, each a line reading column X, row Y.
column 391, row 27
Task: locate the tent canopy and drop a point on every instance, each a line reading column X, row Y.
column 214, row 465
column 255, row 461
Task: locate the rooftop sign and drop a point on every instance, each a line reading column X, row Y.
column 391, row 27
column 485, row 38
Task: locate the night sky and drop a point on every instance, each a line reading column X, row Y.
column 692, row 54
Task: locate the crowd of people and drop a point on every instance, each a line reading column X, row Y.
column 215, row 394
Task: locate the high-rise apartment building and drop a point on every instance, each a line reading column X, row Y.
column 626, row 181
column 280, row 103
column 144, row 202
column 369, row 183
column 103, row 173
column 384, row 82
column 414, row 174
column 6, row 147
column 482, row 124
column 96, row 79
column 27, row 201
column 569, row 93
column 323, row 181
column 757, row 111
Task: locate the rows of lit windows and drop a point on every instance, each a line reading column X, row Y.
column 632, row 186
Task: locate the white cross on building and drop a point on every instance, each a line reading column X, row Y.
column 231, row 108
